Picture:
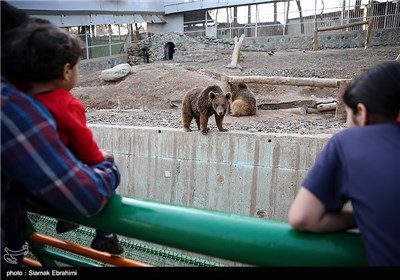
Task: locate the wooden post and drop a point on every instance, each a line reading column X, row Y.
column 368, row 36
column 315, row 40
column 340, row 113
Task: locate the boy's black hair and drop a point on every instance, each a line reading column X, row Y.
column 38, row 52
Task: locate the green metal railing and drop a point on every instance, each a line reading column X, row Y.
column 248, row 240
column 133, row 249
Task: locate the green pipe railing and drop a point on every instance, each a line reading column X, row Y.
column 248, row 240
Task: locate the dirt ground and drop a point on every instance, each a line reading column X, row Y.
column 151, row 94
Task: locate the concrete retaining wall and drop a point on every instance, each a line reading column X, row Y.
column 237, row 171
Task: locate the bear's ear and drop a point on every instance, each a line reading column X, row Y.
column 228, row 95
column 211, row 94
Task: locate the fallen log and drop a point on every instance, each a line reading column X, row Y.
column 289, row 81
column 326, row 106
column 287, row 105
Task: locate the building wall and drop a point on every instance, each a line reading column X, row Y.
column 175, row 24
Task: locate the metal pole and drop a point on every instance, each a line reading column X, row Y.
column 109, row 39
column 206, row 23
column 230, row 23
column 87, row 44
column 348, row 15
column 284, row 19
column 257, row 19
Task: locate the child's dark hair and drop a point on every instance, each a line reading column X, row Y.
column 39, row 51
column 378, row 89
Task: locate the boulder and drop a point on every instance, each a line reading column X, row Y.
column 116, row 73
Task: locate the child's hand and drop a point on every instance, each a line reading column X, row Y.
column 107, row 154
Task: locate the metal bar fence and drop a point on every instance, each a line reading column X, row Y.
column 282, row 18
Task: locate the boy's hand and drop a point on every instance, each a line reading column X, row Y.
column 107, row 154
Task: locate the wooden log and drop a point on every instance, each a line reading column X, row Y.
column 287, row 105
column 312, row 111
column 225, row 83
column 326, row 106
column 298, row 111
column 343, row 26
column 289, row 81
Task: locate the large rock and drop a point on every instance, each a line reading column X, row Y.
column 116, row 73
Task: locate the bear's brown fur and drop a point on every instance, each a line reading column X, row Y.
column 243, row 101
column 201, row 104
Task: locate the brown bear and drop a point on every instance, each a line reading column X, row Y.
column 201, row 104
column 243, row 101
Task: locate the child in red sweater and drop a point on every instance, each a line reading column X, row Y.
column 47, row 64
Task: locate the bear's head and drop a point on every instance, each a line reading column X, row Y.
column 220, row 101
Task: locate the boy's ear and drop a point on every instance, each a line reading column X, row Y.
column 362, row 114
column 67, row 72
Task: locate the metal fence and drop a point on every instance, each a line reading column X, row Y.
column 289, row 18
column 102, row 40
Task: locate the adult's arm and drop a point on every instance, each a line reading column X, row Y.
column 307, row 213
column 33, row 156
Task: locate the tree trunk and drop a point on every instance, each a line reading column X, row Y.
column 248, row 29
column 301, row 16
column 236, row 53
column 321, row 16
column 287, row 18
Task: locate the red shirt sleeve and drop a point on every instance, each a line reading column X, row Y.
column 80, row 137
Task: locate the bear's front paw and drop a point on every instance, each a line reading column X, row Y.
column 187, row 129
column 204, row 132
column 223, row 130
